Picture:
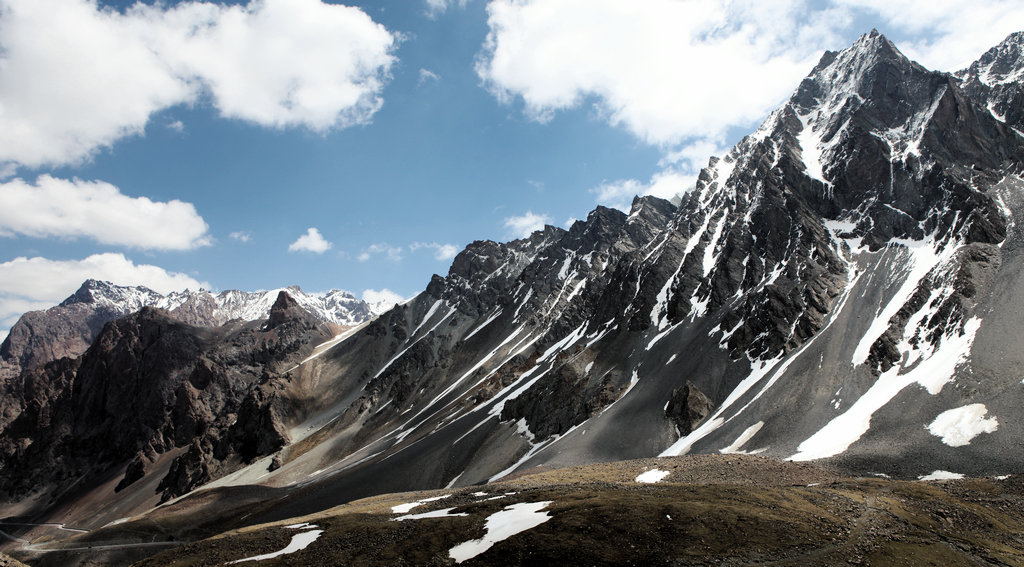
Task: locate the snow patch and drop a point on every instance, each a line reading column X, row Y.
column 405, row 508
column 502, row 525
column 445, row 513
column 811, row 150
column 298, row 543
column 740, row 441
column 958, row 426
column 941, row 475
column 652, row 476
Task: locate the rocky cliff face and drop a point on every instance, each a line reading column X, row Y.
column 995, row 80
column 147, row 386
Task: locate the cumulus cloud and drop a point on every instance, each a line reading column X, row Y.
column 393, row 253
column 241, row 236
column 382, row 299
column 525, row 225
column 675, row 71
column 657, row 71
column 945, row 34
column 441, row 251
column 76, row 77
column 37, row 283
column 312, row 241
column 97, row 210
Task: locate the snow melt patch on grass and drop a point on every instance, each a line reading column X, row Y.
column 405, row 508
column 958, row 426
column 941, row 475
column 298, row 543
column 652, row 476
column 502, row 525
column 445, row 513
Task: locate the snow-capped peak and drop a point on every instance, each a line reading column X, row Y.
column 1001, row 65
column 208, row 308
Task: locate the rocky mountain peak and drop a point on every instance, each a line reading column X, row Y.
column 285, row 309
column 1002, row 64
column 995, row 80
column 93, row 291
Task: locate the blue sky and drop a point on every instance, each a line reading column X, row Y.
column 253, row 145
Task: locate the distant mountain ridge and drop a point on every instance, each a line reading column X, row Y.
column 68, row 329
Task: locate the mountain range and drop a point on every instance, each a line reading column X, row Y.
column 67, row 330
column 840, row 287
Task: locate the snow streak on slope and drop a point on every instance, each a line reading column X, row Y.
column 932, row 372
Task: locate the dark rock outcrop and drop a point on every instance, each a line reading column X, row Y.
column 150, row 384
column 688, row 407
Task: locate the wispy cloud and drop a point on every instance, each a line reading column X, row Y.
column 312, row 241
column 393, row 253
column 64, row 208
column 437, row 7
column 240, row 235
column 525, row 225
column 441, row 251
column 426, row 75
column 61, row 56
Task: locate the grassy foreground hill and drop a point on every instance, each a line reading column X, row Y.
column 704, row 510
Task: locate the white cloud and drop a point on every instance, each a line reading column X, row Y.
column 312, row 241
column 441, row 251
column 669, row 71
column 28, row 284
column 382, row 297
column 436, row 7
column 394, row 253
column 428, row 75
column 241, row 236
column 525, row 225
column 666, row 184
column 76, row 78
column 672, row 71
column 177, row 125
column 97, row 210
column 946, row 34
